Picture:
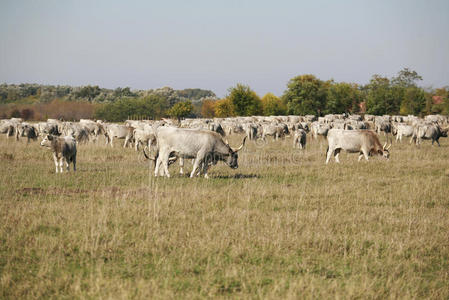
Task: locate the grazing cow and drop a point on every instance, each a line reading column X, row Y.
column 144, row 136
column 49, row 128
column 319, row 129
column 276, row 131
column 26, row 130
column 383, row 125
column 118, row 131
column 299, row 139
column 364, row 142
column 93, row 129
column 63, row 148
column 8, row 127
column 401, row 130
column 428, row 132
column 78, row 131
column 251, row 130
column 204, row 146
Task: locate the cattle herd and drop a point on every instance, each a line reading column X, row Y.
column 204, row 140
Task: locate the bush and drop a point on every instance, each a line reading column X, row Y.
column 150, row 107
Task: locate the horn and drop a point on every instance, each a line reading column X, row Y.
column 388, row 148
column 383, row 148
column 240, row 148
column 226, row 142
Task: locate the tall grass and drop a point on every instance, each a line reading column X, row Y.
column 283, row 225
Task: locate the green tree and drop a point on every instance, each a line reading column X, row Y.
column 406, row 78
column 381, row 97
column 273, row 106
column 342, row 98
column 305, row 94
column 180, row 110
column 245, row 101
column 413, row 102
column 88, row 92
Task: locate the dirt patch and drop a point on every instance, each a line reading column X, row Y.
column 31, row 191
column 8, row 156
column 113, row 191
column 50, row 191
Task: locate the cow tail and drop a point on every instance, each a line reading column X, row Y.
column 145, row 154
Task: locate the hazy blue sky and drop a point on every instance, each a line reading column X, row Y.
column 216, row 44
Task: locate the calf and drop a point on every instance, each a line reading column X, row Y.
column 63, row 148
column 299, row 139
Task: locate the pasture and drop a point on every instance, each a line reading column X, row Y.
column 282, row 225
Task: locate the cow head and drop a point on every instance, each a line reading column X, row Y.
column 232, row 159
column 46, row 142
column 444, row 131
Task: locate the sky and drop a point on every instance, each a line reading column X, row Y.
column 215, row 44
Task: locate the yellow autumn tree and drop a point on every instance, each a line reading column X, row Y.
column 224, row 108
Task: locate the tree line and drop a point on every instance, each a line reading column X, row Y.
column 305, row 94
column 308, row 95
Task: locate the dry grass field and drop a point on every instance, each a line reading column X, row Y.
column 283, row 225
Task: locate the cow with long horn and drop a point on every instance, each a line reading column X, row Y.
column 205, row 147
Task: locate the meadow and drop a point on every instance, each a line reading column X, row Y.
column 282, row 225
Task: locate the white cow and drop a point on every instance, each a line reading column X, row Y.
column 364, row 142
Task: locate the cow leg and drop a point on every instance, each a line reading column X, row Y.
column 329, row 154
column 74, row 163
column 162, row 162
column 360, row 156
column 438, row 142
column 365, row 154
column 157, row 166
column 181, row 166
column 165, row 165
column 67, row 161
column 198, row 160
column 205, row 168
column 159, row 171
column 195, row 166
column 336, row 154
column 55, row 159
column 61, row 164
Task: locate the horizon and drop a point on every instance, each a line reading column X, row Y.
column 214, row 46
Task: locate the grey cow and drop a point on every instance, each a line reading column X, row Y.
column 64, row 150
column 205, row 147
column 428, row 132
